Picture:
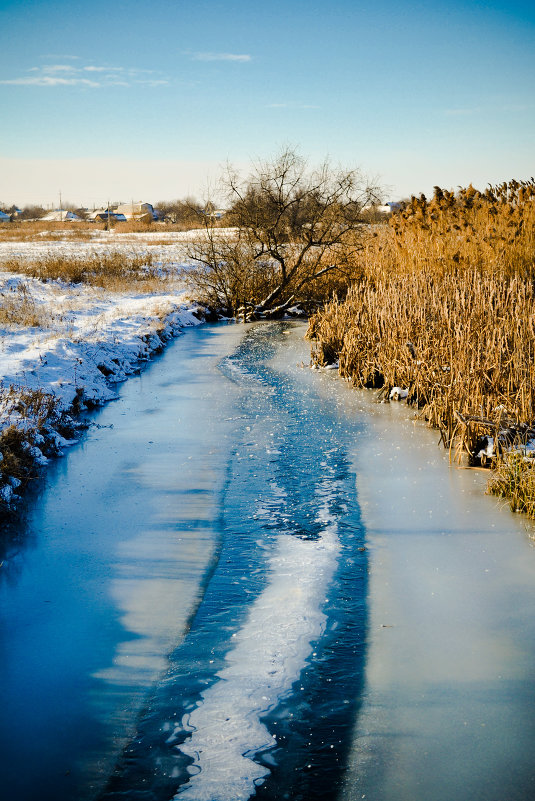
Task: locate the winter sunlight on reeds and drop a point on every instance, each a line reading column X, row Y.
column 445, row 308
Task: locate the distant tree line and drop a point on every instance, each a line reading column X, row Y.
column 184, row 213
column 36, row 212
column 31, row 212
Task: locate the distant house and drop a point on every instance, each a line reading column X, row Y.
column 92, row 216
column 214, row 214
column 4, row 217
column 60, row 215
column 386, row 208
column 101, row 215
column 389, row 208
column 137, row 211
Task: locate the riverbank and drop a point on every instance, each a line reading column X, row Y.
column 64, row 346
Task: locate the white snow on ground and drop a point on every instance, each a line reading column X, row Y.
column 87, row 329
column 87, row 339
column 165, row 246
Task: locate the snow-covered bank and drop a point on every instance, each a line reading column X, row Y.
column 69, row 345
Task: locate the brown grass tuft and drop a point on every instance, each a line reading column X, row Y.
column 28, row 416
column 19, row 309
column 514, row 480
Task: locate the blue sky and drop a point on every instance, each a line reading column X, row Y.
column 146, row 100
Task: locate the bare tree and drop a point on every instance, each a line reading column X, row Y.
column 186, row 213
column 32, row 213
column 292, row 226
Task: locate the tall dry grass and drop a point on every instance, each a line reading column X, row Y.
column 19, row 309
column 112, row 271
column 37, row 231
column 514, row 480
column 445, row 308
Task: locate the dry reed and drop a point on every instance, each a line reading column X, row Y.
column 19, row 309
column 113, row 271
column 446, row 309
column 514, row 480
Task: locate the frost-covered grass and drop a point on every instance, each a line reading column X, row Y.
column 76, row 318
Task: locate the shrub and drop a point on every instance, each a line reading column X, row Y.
column 295, row 234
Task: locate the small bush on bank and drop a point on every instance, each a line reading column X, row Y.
column 32, row 421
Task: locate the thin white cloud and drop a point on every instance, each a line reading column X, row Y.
column 50, row 80
column 139, row 71
column 155, row 82
column 61, row 56
column 94, row 76
column 221, row 57
column 51, row 68
column 93, row 68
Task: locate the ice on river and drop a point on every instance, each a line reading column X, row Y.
column 269, row 653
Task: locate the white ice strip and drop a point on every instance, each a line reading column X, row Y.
column 270, row 652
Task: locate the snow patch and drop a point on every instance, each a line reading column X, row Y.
column 397, row 394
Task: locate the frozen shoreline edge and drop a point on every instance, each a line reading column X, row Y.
column 106, row 364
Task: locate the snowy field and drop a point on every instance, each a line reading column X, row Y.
column 168, row 246
column 75, row 342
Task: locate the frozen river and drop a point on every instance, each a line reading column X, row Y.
column 248, row 581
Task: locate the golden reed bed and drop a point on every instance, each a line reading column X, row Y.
column 444, row 306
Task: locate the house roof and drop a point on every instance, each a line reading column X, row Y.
column 58, row 215
column 134, row 208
